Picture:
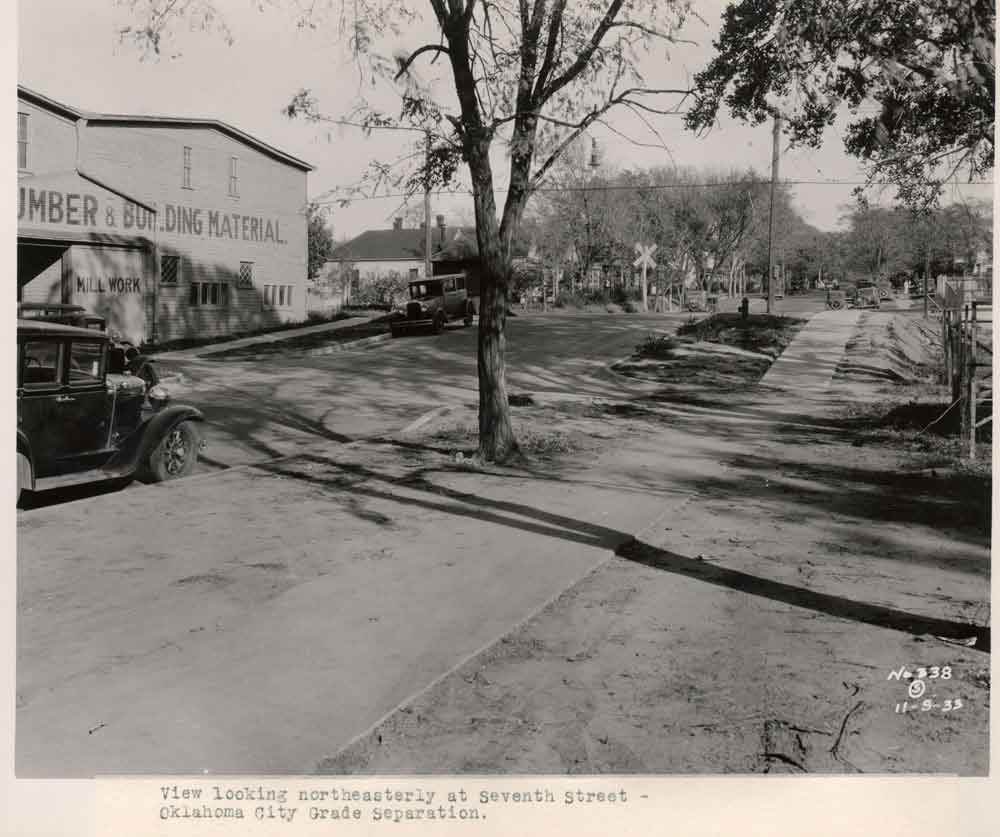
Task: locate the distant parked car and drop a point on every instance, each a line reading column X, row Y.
column 77, row 422
column 434, row 302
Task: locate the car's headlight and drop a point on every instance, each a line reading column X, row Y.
column 158, row 396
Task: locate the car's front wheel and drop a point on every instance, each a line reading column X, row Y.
column 439, row 323
column 176, row 453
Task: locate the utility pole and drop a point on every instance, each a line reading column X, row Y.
column 427, row 205
column 927, row 265
column 775, row 149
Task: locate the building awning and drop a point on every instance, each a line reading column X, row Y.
column 68, row 207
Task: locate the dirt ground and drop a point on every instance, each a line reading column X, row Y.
column 816, row 601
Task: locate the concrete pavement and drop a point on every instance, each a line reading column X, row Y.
column 807, row 366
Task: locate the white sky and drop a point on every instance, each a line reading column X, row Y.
column 68, row 50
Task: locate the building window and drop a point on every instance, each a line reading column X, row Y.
column 414, row 273
column 22, row 140
column 234, row 181
column 208, row 294
column 187, row 167
column 278, row 296
column 246, row 275
column 170, row 268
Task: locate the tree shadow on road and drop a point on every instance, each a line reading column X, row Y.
column 417, row 490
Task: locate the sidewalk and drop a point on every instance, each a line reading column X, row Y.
column 807, row 366
column 271, row 337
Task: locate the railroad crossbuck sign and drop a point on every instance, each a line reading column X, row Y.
column 645, row 259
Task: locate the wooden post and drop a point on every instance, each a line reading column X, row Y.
column 945, row 346
column 971, row 412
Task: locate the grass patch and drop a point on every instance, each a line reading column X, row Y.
column 767, row 334
column 924, row 423
column 537, row 441
column 656, row 347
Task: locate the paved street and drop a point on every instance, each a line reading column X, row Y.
column 259, row 409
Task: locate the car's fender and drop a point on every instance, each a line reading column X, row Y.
column 24, row 446
column 148, row 434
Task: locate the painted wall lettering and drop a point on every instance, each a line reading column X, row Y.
column 108, row 285
column 80, row 209
column 74, row 209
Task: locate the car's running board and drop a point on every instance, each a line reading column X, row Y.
column 80, row 477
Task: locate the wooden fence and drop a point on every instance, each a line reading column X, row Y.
column 967, row 333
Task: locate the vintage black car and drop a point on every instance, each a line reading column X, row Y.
column 123, row 355
column 434, row 302
column 77, row 422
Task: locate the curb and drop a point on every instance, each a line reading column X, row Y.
column 346, row 345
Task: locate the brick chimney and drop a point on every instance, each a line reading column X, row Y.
column 397, row 223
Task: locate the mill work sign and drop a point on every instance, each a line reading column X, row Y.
column 107, row 284
column 105, row 212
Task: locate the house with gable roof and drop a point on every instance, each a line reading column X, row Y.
column 379, row 258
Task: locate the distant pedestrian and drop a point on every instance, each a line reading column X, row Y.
column 745, row 308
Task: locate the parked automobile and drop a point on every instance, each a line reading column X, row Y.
column 434, row 302
column 77, row 422
column 124, row 357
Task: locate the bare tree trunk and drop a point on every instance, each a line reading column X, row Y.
column 496, row 436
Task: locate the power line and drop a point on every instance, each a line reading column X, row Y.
column 618, row 187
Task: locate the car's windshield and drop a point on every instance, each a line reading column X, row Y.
column 423, row 290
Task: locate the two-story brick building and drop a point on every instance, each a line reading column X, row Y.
column 170, row 227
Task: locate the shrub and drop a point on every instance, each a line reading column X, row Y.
column 596, row 296
column 622, row 296
column 656, row 347
column 382, row 292
column 570, row 299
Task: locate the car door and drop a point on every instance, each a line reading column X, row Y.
column 452, row 302
column 85, row 404
column 39, row 384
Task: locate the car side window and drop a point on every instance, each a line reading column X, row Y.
column 460, row 284
column 449, row 285
column 86, row 362
column 40, row 363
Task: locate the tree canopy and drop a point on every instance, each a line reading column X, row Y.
column 320, row 238
column 917, row 77
column 529, row 76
